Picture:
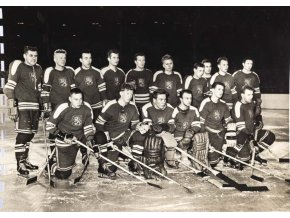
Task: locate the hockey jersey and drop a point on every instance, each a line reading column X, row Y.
column 251, row 79
column 69, row 120
column 24, row 84
column 214, row 115
column 113, row 80
column 185, row 119
column 244, row 117
column 171, row 83
column 141, row 80
column 198, row 88
column 57, row 85
column 230, row 93
column 116, row 119
column 92, row 84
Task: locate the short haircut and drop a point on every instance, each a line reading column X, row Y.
column 126, row 86
column 205, row 61
column 220, row 59
column 196, row 65
column 217, row 83
column 138, row 54
column 111, row 51
column 75, row 91
column 60, row 51
column 160, row 92
column 247, row 87
column 166, row 57
column 247, row 58
column 185, row 91
column 29, row 48
column 85, row 51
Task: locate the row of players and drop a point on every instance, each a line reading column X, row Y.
column 25, row 84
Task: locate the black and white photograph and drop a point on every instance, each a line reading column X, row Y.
column 144, row 108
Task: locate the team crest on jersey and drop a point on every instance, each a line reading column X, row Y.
column 185, row 125
column 62, row 82
column 227, row 85
column 77, row 120
column 161, row 120
column 168, row 84
column 217, row 115
column 122, row 117
column 88, row 80
column 141, row 82
column 199, row 89
column 116, row 81
column 248, row 81
column 251, row 114
column 32, row 76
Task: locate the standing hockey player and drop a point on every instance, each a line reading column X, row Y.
column 23, row 93
column 113, row 76
column 214, row 115
column 207, row 71
column 67, row 122
column 167, row 79
column 196, row 84
column 230, row 93
column 247, row 77
column 90, row 81
column 141, row 79
column 118, row 118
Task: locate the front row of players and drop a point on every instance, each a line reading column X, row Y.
column 150, row 141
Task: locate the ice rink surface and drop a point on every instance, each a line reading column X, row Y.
column 128, row 194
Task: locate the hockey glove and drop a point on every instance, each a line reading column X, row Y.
column 12, row 110
column 259, row 122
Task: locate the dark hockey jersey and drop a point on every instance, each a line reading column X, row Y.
column 198, row 88
column 185, row 119
column 171, row 83
column 230, row 94
column 24, row 84
column 214, row 115
column 116, row 119
column 57, row 85
column 69, row 120
column 92, row 84
column 251, row 79
column 141, row 80
column 113, row 80
column 244, row 117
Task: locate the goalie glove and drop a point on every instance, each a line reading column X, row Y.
column 186, row 140
column 158, row 128
column 231, row 135
column 12, row 110
column 67, row 138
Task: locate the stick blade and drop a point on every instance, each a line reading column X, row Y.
column 257, row 178
column 31, row 180
column 154, row 185
column 284, row 160
column 76, row 180
column 188, row 190
column 257, row 188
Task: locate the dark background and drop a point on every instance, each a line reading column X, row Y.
column 189, row 34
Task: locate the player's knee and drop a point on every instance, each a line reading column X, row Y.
column 23, row 138
column 242, row 138
column 100, row 138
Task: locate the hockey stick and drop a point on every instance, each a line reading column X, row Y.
column 196, row 172
column 240, row 187
column 118, row 166
column 242, row 162
column 150, row 168
column 77, row 179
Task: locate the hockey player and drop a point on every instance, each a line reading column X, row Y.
column 249, row 127
column 141, row 79
column 23, row 93
column 118, row 118
column 207, row 71
column 160, row 112
column 214, row 116
column 196, row 84
column 247, row 77
column 70, row 121
column 186, row 122
column 90, row 81
column 113, row 76
column 230, row 93
column 167, row 79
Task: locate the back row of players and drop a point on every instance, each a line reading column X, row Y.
column 108, row 104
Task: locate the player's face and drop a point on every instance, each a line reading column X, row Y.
column 114, row 59
column 86, row 60
column 223, row 66
column 207, row 67
column 126, row 95
column 76, row 100
column 248, row 96
column 60, row 59
column 198, row 72
column 168, row 65
column 140, row 62
column 186, row 99
column 218, row 91
column 160, row 101
column 248, row 65
column 31, row 57
column 143, row 128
